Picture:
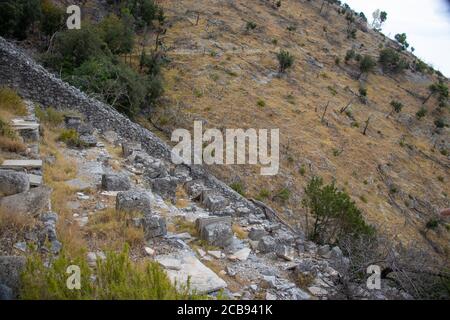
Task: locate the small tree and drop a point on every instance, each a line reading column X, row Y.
column 285, row 60
column 366, row 65
column 391, row 61
column 401, row 38
column 379, row 17
column 334, row 214
column 441, row 89
column 118, row 34
column 396, row 107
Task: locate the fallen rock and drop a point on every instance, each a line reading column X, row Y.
column 88, row 140
column 214, row 202
column 188, row 268
column 266, row 244
column 194, row 188
column 13, row 182
column 241, row 255
column 129, row 147
column 32, row 202
column 215, row 231
column 285, row 252
column 10, row 269
column 166, row 187
column 257, row 234
column 154, row 226
column 134, row 201
column 115, row 182
column 324, row 251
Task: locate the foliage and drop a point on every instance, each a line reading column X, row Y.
column 396, row 106
column 238, row 187
column 335, row 215
column 118, row 33
column 12, row 102
column 52, row 18
column 421, row 113
column 18, row 16
column 250, row 25
column 391, row 61
column 71, row 138
column 366, row 64
column 285, row 60
column 116, row 278
column 401, row 38
column 49, row 116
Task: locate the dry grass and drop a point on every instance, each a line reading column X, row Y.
column 15, row 223
column 239, row 231
column 180, row 224
column 11, row 102
column 231, row 99
column 112, row 229
column 11, row 145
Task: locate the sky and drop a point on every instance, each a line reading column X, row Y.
column 426, row 24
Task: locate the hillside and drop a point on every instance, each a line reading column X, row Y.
column 87, row 177
column 219, row 71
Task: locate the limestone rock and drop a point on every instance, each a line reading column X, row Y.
column 154, row 226
column 166, row 187
column 10, row 269
column 134, row 201
column 33, row 201
column 266, row 244
column 13, row 182
column 115, row 182
column 215, row 231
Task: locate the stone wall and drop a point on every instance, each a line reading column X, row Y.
column 32, row 81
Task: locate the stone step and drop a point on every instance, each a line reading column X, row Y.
column 21, row 164
column 35, row 180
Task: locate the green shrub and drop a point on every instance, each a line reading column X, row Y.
column 71, row 138
column 401, row 38
column 366, row 64
column 52, row 18
column 6, row 130
column 116, row 278
column 238, row 187
column 118, row 33
column 440, row 123
column 18, row 16
column 261, row 103
column 250, row 25
column 285, row 60
column 350, row 55
column 421, row 113
column 263, row 194
column 12, row 102
column 49, row 116
column 391, row 61
column 334, row 214
column 284, row 194
column 432, row 223
column 396, row 106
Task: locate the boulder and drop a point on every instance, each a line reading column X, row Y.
column 115, row 182
column 285, row 252
column 33, row 201
column 154, row 226
column 10, row 269
column 88, row 140
column 129, row 147
column 214, row 202
column 13, row 182
column 154, row 169
column 72, row 121
column 215, row 231
column 257, row 234
column 266, row 244
column 6, row 293
column 134, row 201
column 184, row 266
column 324, row 251
column 194, row 188
column 166, row 187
